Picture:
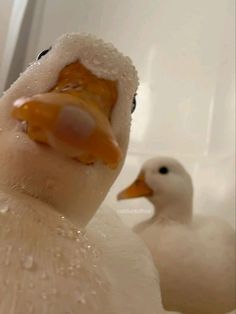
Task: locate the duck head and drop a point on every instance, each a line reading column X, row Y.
column 167, row 185
column 65, row 125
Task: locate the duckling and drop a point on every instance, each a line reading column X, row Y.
column 195, row 255
column 64, row 129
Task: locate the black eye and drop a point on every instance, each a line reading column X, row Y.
column 43, row 53
column 163, row 170
column 133, row 104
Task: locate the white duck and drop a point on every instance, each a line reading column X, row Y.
column 195, row 256
column 73, row 103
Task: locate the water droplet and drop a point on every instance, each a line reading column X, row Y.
column 80, row 298
column 24, row 126
column 28, row 262
column 44, row 275
column 71, row 271
column 77, row 266
column 99, row 281
column 22, row 185
column 4, row 209
column 60, row 271
column 44, row 296
column 70, row 234
column 58, row 253
column 60, row 231
column 17, row 136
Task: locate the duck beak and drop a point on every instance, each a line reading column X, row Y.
column 70, row 126
column 74, row 116
column 138, row 188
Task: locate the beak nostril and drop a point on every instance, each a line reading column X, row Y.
column 72, row 121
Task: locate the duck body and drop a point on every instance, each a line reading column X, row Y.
column 47, row 265
column 196, row 263
column 195, row 255
column 52, row 182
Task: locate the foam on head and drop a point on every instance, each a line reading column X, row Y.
column 102, row 60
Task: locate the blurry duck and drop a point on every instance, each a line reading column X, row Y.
column 62, row 145
column 195, row 256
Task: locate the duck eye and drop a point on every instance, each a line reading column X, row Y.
column 43, row 53
column 133, row 104
column 163, row 170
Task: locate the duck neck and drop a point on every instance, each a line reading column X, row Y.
column 175, row 211
column 18, row 198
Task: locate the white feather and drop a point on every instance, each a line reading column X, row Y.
column 46, row 267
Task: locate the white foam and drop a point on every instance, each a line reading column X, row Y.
column 103, row 59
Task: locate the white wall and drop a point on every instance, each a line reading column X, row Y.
column 184, row 51
column 18, row 21
column 5, row 12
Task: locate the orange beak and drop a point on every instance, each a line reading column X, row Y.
column 138, row 188
column 74, row 116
